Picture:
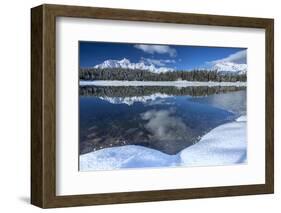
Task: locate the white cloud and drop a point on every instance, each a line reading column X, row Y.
column 164, row 125
column 160, row 49
column 239, row 57
column 236, row 62
column 157, row 62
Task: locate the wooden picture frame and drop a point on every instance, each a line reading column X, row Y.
column 43, row 105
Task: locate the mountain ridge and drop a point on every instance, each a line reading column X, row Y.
column 127, row 64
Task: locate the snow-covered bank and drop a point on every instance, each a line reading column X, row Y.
column 129, row 156
column 224, row 145
column 162, row 83
column 242, row 118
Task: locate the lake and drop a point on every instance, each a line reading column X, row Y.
column 164, row 118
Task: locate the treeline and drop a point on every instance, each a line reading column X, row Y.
column 144, row 75
column 130, row 91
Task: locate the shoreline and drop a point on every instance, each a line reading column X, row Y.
column 162, row 83
column 230, row 137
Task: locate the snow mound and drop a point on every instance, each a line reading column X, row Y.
column 129, row 156
column 224, row 145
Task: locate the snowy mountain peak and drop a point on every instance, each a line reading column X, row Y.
column 127, row 64
column 230, row 67
column 124, row 61
column 144, row 65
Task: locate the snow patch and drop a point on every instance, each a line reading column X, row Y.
column 129, row 156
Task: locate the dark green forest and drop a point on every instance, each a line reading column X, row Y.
column 130, row 91
column 144, row 75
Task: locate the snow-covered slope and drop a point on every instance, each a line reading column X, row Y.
column 129, row 156
column 224, row 145
column 230, row 67
column 126, row 64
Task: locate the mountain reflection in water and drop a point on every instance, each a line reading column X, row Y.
column 167, row 119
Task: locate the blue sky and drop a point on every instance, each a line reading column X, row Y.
column 172, row 56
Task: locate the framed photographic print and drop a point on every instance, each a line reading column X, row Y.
column 137, row 106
